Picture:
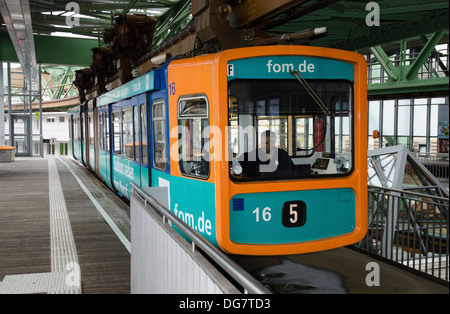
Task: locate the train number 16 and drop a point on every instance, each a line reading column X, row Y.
column 266, row 215
column 172, row 90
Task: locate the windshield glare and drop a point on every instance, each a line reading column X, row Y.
column 279, row 129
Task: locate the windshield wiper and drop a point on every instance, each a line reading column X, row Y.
column 311, row 92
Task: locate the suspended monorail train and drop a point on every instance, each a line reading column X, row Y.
column 263, row 149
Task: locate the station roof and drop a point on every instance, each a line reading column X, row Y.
column 344, row 19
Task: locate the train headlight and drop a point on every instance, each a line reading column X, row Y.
column 236, row 167
column 237, row 170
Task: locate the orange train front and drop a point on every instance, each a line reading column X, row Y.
column 264, row 148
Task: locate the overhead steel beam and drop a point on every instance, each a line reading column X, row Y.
column 424, row 54
column 385, row 62
column 403, row 77
column 394, row 32
column 172, row 21
column 436, row 86
column 17, row 18
column 130, row 5
column 438, row 54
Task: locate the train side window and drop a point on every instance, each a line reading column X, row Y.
column 91, row 128
column 117, row 143
column 127, row 133
column 159, row 135
column 136, row 133
column 193, row 138
column 144, row 134
column 101, row 138
column 82, row 129
column 76, row 129
column 71, row 134
column 107, row 132
column 79, row 130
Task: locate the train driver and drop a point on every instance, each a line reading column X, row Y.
column 268, row 160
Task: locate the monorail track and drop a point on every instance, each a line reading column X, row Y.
column 338, row 271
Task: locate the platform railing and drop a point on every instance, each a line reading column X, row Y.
column 242, row 278
column 437, row 164
column 410, row 229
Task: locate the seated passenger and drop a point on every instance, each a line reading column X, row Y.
column 267, row 160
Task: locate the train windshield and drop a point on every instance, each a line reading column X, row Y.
column 284, row 129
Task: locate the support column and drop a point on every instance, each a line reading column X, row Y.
column 11, row 133
column 41, row 137
column 2, row 107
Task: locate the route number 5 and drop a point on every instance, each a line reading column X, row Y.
column 293, row 214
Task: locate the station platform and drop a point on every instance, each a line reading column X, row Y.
column 61, row 230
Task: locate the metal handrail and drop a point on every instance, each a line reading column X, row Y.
column 250, row 284
column 409, row 228
column 434, row 197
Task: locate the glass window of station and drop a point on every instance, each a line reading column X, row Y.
column 420, row 124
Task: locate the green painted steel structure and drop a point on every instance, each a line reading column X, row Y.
column 411, row 70
column 384, row 30
column 58, row 83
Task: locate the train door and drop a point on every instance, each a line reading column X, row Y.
column 77, row 134
column 116, row 140
column 135, row 136
column 90, row 135
column 142, row 134
column 159, row 132
column 96, row 143
column 108, row 146
column 84, row 138
column 71, row 121
column 101, row 142
column 104, row 144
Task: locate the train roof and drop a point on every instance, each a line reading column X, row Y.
column 75, row 110
column 144, row 83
